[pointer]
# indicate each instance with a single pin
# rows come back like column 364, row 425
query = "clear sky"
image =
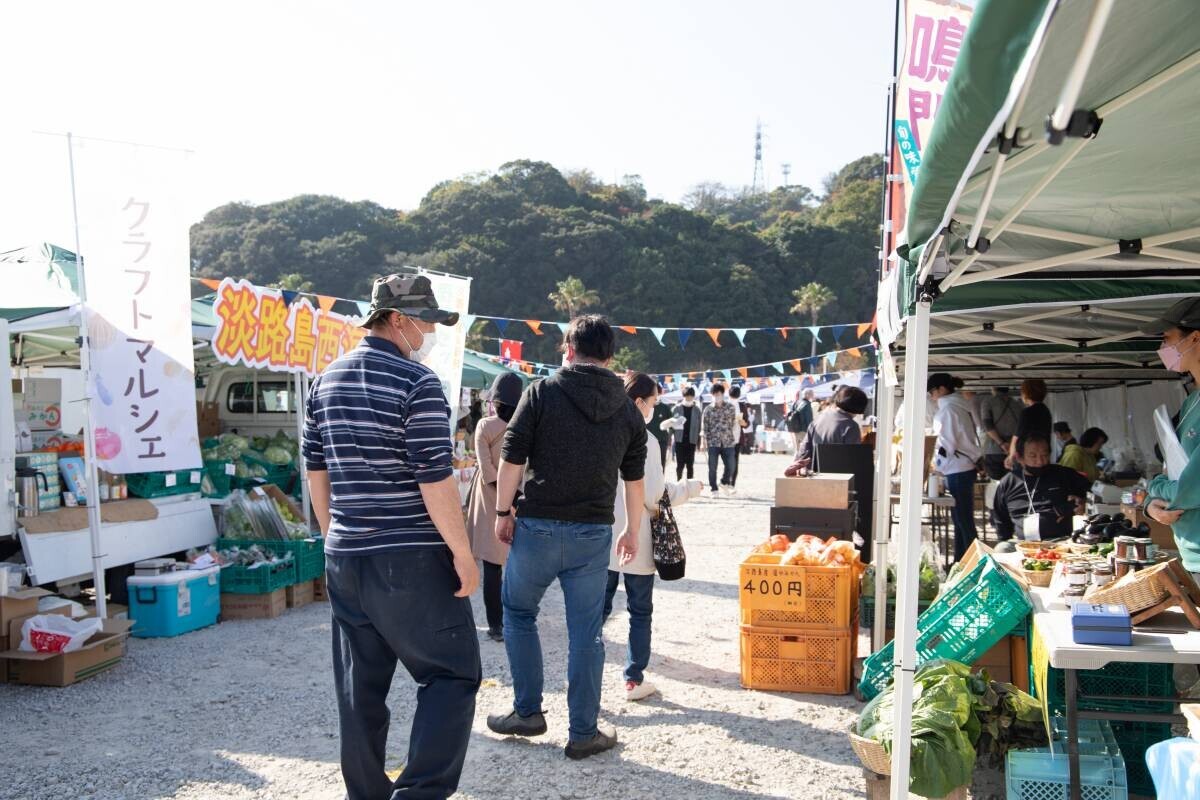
column 381, row 100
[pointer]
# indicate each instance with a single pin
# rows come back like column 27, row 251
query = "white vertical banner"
column 134, row 242
column 453, row 293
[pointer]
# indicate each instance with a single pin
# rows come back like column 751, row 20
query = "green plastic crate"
column 308, row 554
column 154, row 484
column 966, row 621
column 1120, row 678
column 258, row 580
column 283, row 476
column 1126, row 739
column 866, row 611
column 221, row 480
column 1042, row 774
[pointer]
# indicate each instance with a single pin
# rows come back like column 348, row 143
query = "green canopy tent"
column 479, row 372
column 1056, row 211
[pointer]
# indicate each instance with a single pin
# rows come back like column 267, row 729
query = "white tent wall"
column 1124, row 413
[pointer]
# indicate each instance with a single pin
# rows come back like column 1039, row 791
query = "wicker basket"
column 1137, row 591
column 871, row 754
column 1038, row 577
column 1027, row 549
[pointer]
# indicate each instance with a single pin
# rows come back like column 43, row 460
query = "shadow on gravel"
column 830, row 746
column 728, row 591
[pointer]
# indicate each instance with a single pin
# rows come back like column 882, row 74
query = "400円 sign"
column 276, row 330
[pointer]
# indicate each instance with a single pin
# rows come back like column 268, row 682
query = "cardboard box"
column 208, row 419
column 1162, row 535
column 320, row 594
column 99, row 654
column 299, row 594
column 21, row 603
column 825, row 490
column 114, row 611
column 253, row 606
column 277, row 494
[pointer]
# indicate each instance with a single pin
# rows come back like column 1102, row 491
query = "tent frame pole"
column 885, row 399
column 89, row 415
column 909, row 546
column 1073, row 85
column 1003, row 325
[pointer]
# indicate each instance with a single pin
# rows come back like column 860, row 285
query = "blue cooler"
column 1101, row 623
column 174, row 602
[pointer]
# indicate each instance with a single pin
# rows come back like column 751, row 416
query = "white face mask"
column 647, row 413
column 428, row 340
column 689, row 402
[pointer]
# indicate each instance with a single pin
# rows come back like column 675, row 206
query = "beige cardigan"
column 678, row 493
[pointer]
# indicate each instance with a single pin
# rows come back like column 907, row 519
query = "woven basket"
column 871, row 754
column 1029, row 548
column 1038, row 577
column 1137, row 591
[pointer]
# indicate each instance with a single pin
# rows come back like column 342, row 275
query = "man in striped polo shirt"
column 398, row 563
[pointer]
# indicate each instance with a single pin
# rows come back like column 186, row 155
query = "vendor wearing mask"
column 1177, row 502
column 1039, row 501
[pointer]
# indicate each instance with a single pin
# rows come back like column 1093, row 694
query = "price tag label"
column 195, row 476
column 230, row 469
column 171, row 479
column 258, row 490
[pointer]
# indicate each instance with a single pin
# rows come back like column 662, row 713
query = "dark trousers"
column 737, row 463
column 400, row 607
column 639, row 600
column 726, row 454
column 685, row 456
column 493, row 576
column 961, row 486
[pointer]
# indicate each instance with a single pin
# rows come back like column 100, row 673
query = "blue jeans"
column 726, row 454
column 576, row 553
column 961, row 486
column 639, row 599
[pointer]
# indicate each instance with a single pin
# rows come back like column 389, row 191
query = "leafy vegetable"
column 956, row 716
column 277, row 455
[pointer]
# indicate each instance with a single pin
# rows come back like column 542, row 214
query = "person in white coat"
column 639, row 573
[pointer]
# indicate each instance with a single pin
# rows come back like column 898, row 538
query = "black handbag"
column 669, row 558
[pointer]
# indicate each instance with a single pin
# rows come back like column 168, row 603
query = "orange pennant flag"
column 797, row 365
column 863, row 327
column 535, row 326
column 743, row 371
column 854, row 352
column 325, row 302
column 783, row 332
column 211, row 283
column 713, row 334
column 630, row 329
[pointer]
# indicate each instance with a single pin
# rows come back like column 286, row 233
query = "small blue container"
column 1101, row 623
column 174, row 602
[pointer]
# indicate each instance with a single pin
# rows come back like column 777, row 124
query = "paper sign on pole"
column 134, row 238
column 453, row 293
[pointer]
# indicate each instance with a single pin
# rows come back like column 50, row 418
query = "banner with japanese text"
column 276, row 330
column 929, row 44
column 135, row 255
column 453, row 293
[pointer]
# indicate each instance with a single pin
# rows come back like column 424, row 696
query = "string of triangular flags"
column 683, row 335
column 861, row 330
column 799, row 366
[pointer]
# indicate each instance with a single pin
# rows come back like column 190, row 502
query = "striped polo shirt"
column 379, row 424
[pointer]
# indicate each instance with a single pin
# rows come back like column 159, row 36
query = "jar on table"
column 1102, row 575
column 1145, row 548
column 1123, row 547
column 1077, row 575
column 1124, row 566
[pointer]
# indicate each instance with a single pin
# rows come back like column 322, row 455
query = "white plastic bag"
column 54, row 633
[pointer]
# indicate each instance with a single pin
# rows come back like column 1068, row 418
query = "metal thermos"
column 28, row 496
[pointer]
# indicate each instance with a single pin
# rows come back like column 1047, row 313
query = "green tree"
column 629, row 358
column 572, row 296
column 294, row 281
column 810, row 299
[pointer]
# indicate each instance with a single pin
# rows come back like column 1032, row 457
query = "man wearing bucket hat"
column 399, row 567
column 1176, row 501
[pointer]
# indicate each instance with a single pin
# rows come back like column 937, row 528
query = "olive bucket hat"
column 1184, row 314
column 411, row 295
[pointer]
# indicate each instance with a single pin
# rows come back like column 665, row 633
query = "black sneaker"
column 513, row 724
column 605, row 739
column 495, row 634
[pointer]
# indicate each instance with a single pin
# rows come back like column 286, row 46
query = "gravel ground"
column 246, row 709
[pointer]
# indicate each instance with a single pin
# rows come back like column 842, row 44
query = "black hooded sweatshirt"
column 576, row 430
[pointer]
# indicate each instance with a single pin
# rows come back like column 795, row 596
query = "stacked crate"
column 799, row 625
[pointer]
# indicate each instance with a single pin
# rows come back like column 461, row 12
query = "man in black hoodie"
column 576, row 430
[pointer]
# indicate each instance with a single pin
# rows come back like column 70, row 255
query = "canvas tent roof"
column 1090, row 222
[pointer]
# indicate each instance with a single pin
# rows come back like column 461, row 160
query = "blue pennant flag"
column 815, row 330
column 813, row 363
column 467, row 320
column 678, row 379
column 759, row 372
column 501, row 324
column 684, row 335
column 289, row 295
column 838, row 330
column 728, row 373
column 364, row 307
column 562, row 326
column 658, row 334
column 778, row 365
column 740, row 333
column 831, row 357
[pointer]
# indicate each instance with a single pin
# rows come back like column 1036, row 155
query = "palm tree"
column 572, row 297
column 810, row 299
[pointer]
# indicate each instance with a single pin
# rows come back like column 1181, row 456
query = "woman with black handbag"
column 662, row 550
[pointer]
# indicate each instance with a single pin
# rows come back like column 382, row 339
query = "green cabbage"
column 277, row 456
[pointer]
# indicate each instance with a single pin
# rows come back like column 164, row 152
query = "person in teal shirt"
column 1177, row 502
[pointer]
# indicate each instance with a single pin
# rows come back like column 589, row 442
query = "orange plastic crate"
column 776, row 596
column 790, row 660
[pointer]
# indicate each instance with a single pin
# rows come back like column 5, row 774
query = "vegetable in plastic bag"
column 277, row 455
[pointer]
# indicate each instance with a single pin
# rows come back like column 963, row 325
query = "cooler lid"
column 171, row 578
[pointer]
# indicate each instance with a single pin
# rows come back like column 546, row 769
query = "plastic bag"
column 54, row 633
